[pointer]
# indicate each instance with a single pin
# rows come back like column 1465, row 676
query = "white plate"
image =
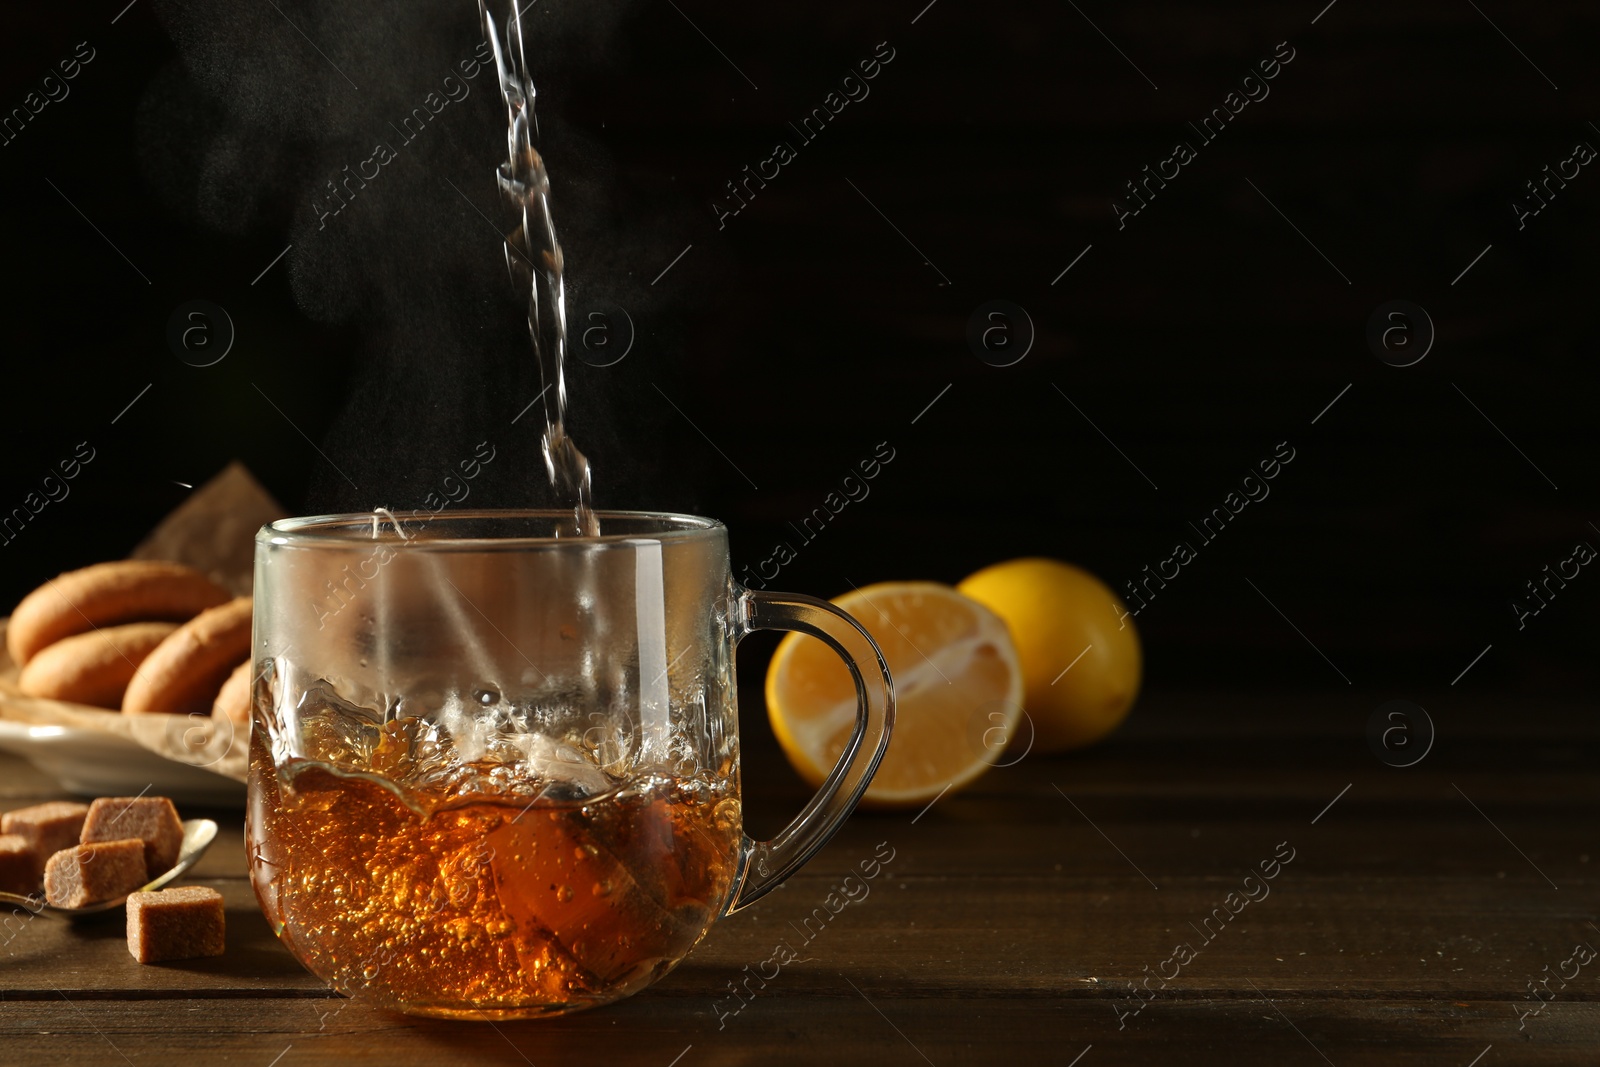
column 97, row 764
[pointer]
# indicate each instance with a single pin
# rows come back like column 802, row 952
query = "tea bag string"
column 465, row 633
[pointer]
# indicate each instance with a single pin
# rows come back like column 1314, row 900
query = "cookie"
column 108, row 594
column 233, row 703
column 93, row 668
column 186, row 671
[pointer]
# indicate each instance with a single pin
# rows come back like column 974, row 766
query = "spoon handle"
column 34, row 904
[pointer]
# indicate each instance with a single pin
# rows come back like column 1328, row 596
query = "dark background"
column 810, row 329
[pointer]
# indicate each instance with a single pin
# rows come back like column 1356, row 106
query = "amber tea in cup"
column 494, row 771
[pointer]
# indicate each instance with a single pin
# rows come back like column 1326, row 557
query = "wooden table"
column 1418, row 905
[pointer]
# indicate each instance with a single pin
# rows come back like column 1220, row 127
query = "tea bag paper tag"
column 650, row 616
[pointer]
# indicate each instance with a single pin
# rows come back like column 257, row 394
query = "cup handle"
column 765, row 864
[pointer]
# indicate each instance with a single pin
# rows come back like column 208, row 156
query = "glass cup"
column 494, row 773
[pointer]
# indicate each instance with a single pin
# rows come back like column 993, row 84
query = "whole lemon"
column 1076, row 642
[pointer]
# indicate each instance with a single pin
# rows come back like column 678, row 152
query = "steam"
column 365, row 135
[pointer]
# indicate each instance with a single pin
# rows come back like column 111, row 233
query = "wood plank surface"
column 1011, row 919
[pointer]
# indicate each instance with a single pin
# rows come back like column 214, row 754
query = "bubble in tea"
column 524, row 883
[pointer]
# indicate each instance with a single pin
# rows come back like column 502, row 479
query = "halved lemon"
column 958, row 692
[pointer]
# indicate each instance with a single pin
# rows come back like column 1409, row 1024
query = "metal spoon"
column 197, row 837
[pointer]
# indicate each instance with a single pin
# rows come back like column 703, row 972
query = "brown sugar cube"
column 152, row 820
column 176, row 924
column 89, row 874
column 48, row 828
column 19, row 866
